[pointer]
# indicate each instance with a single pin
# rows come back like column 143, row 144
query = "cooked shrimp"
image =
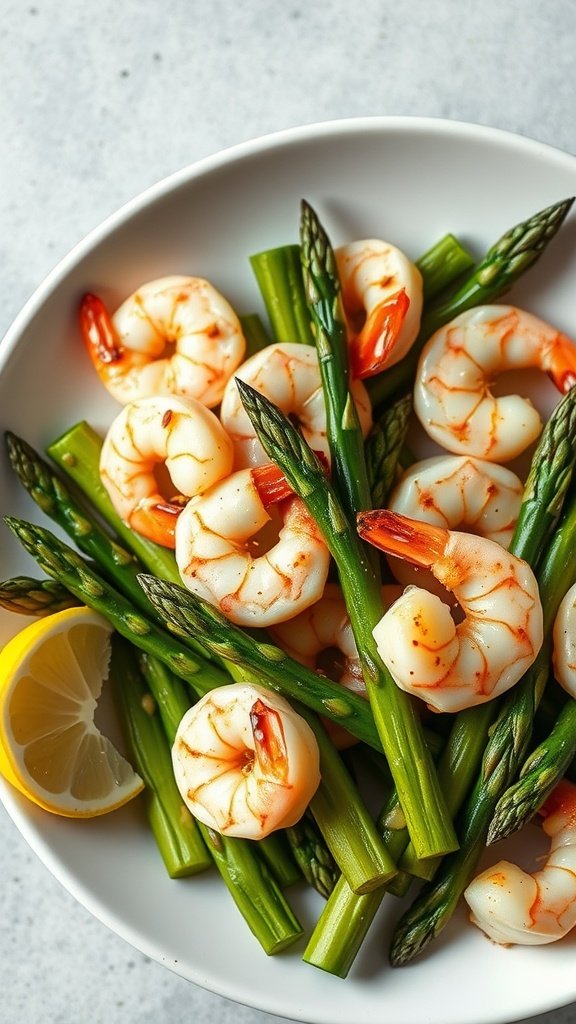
column 382, row 297
column 457, row 492
column 216, row 537
column 564, row 653
column 181, row 434
column 512, row 906
column 456, row 666
column 288, row 374
column 452, row 396
column 245, row 763
column 174, row 336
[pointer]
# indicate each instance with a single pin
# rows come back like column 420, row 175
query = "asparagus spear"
column 504, row 752
column 28, row 596
column 311, row 853
column 505, row 261
column 177, row 836
column 323, row 295
column 394, row 712
column 72, row 571
column 255, row 334
column 442, row 265
column 540, row 774
column 383, row 448
column 279, row 278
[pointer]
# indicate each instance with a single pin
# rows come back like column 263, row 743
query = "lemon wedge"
column 51, row 676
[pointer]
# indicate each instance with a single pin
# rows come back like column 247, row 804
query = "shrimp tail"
column 410, row 539
column 272, row 485
column 156, row 521
column 370, row 349
column 99, row 335
column 269, row 741
column 562, row 364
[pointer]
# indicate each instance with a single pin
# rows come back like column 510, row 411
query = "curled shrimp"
column 224, row 555
column 564, row 651
column 514, row 907
column 382, row 297
column 452, row 396
column 454, row 666
column 289, row 375
column 456, row 492
column 180, row 434
column 175, row 335
column 245, row 763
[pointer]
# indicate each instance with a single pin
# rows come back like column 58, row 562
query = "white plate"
column 407, row 180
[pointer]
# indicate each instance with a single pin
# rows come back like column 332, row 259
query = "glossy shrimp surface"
column 245, row 763
column 382, row 296
column 174, row 335
column 452, row 396
column 564, row 632
column 180, row 434
column 224, row 557
column 453, row 666
column 288, row 374
column 512, row 906
column 457, row 492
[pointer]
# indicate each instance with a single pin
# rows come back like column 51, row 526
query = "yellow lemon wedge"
column 51, row 676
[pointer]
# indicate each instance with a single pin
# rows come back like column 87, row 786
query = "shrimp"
column 456, row 491
column 564, row 652
column 289, row 375
column 184, row 436
column 245, row 763
column 175, row 335
column 452, row 397
column 512, row 906
column 217, row 534
column 456, row 666
column 382, row 298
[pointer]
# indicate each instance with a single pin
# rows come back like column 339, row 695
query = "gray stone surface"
column 98, row 101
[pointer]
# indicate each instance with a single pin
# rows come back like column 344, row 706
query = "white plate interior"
column 406, row 180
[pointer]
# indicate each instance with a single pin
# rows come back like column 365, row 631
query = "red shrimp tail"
column 410, row 539
column 269, row 741
column 562, row 798
column 157, row 522
column 99, row 335
column 562, row 364
column 272, row 485
column 371, row 348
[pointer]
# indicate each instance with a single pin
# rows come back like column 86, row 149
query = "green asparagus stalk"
column 442, row 265
column 255, row 334
column 503, row 756
column 505, row 261
column 313, row 856
column 189, row 615
column 539, row 775
column 383, row 448
column 278, row 854
column 177, row 836
column 55, row 499
column 66, row 566
column 279, row 276
column 394, row 712
column 28, row 596
column 323, row 295
column 246, row 875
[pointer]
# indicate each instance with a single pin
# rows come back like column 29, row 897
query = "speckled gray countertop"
column 99, row 101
